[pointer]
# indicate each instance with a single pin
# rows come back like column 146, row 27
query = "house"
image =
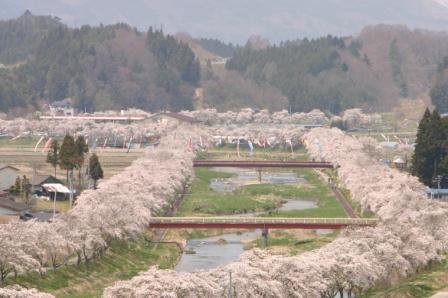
column 8, row 176
column 52, row 189
column 168, row 116
column 399, row 163
column 437, row 193
column 62, row 108
column 38, row 181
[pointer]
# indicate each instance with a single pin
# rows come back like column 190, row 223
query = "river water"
column 211, row 252
column 5, row 211
column 245, row 177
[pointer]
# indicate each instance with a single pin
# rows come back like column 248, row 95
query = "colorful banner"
column 238, row 147
column 130, row 143
column 47, row 144
column 38, row 142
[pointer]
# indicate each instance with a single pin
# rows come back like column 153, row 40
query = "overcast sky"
column 237, row 20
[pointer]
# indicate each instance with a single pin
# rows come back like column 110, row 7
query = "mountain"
column 235, row 21
column 105, row 67
column 116, row 66
column 372, row 70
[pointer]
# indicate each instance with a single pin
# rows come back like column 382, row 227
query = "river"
column 211, row 252
column 6, row 211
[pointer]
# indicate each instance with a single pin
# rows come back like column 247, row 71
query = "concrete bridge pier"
column 264, row 234
column 259, row 170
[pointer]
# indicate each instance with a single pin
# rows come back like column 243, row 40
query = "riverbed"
column 6, row 211
column 212, row 252
column 247, row 177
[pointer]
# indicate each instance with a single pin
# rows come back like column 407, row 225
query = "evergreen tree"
column 95, row 170
column 17, row 187
column 436, row 137
column 81, row 149
column 439, row 95
column 26, row 190
column 67, row 154
column 420, row 159
column 53, row 155
column 429, row 159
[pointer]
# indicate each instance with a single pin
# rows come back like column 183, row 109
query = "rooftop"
column 7, row 166
column 177, row 116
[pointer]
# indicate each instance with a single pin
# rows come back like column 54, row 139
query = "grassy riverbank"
column 228, row 151
column 123, row 260
column 423, row 284
column 203, row 201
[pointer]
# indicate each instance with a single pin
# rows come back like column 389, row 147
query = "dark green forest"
column 118, row 67
column 217, row 47
column 20, row 37
column 430, row 159
column 311, row 73
column 439, row 92
column 105, row 67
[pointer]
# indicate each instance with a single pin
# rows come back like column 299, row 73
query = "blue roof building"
column 437, row 193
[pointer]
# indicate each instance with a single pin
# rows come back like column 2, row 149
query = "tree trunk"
column 79, row 178
column 55, row 167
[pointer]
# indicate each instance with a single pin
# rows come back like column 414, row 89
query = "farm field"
column 20, row 154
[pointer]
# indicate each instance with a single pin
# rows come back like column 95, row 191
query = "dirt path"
column 339, row 196
column 347, row 208
column 160, row 233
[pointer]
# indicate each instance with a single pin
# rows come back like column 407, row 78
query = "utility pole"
column 70, row 183
column 229, row 294
column 438, row 179
column 54, row 203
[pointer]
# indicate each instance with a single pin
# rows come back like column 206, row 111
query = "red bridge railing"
column 263, row 164
column 258, row 223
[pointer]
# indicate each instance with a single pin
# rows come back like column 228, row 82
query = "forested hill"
column 371, row 71
column 20, row 37
column 110, row 67
column 116, row 67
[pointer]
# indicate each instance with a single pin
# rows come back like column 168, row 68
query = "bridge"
column 263, row 223
column 258, row 223
column 263, row 164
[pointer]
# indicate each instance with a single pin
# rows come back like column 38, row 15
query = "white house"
column 8, row 176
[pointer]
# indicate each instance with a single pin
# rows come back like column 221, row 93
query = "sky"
column 236, row 20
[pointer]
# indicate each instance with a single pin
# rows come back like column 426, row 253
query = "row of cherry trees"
column 411, row 234
column 119, row 209
column 51, row 128
column 352, row 117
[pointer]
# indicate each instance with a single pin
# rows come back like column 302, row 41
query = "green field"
column 228, row 151
column 203, row 201
column 423, row 284
column 123, row 260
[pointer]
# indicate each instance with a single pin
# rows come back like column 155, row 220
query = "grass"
column 61, row 206
column 123, row 260
column 228, row 151
column 290, row 242
column 318, row 190
column 20, row 142
column 356, row 206
column 203, row 201
column 423, row 284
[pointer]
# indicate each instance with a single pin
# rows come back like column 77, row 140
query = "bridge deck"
column 263, row 163
column 258, row 222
